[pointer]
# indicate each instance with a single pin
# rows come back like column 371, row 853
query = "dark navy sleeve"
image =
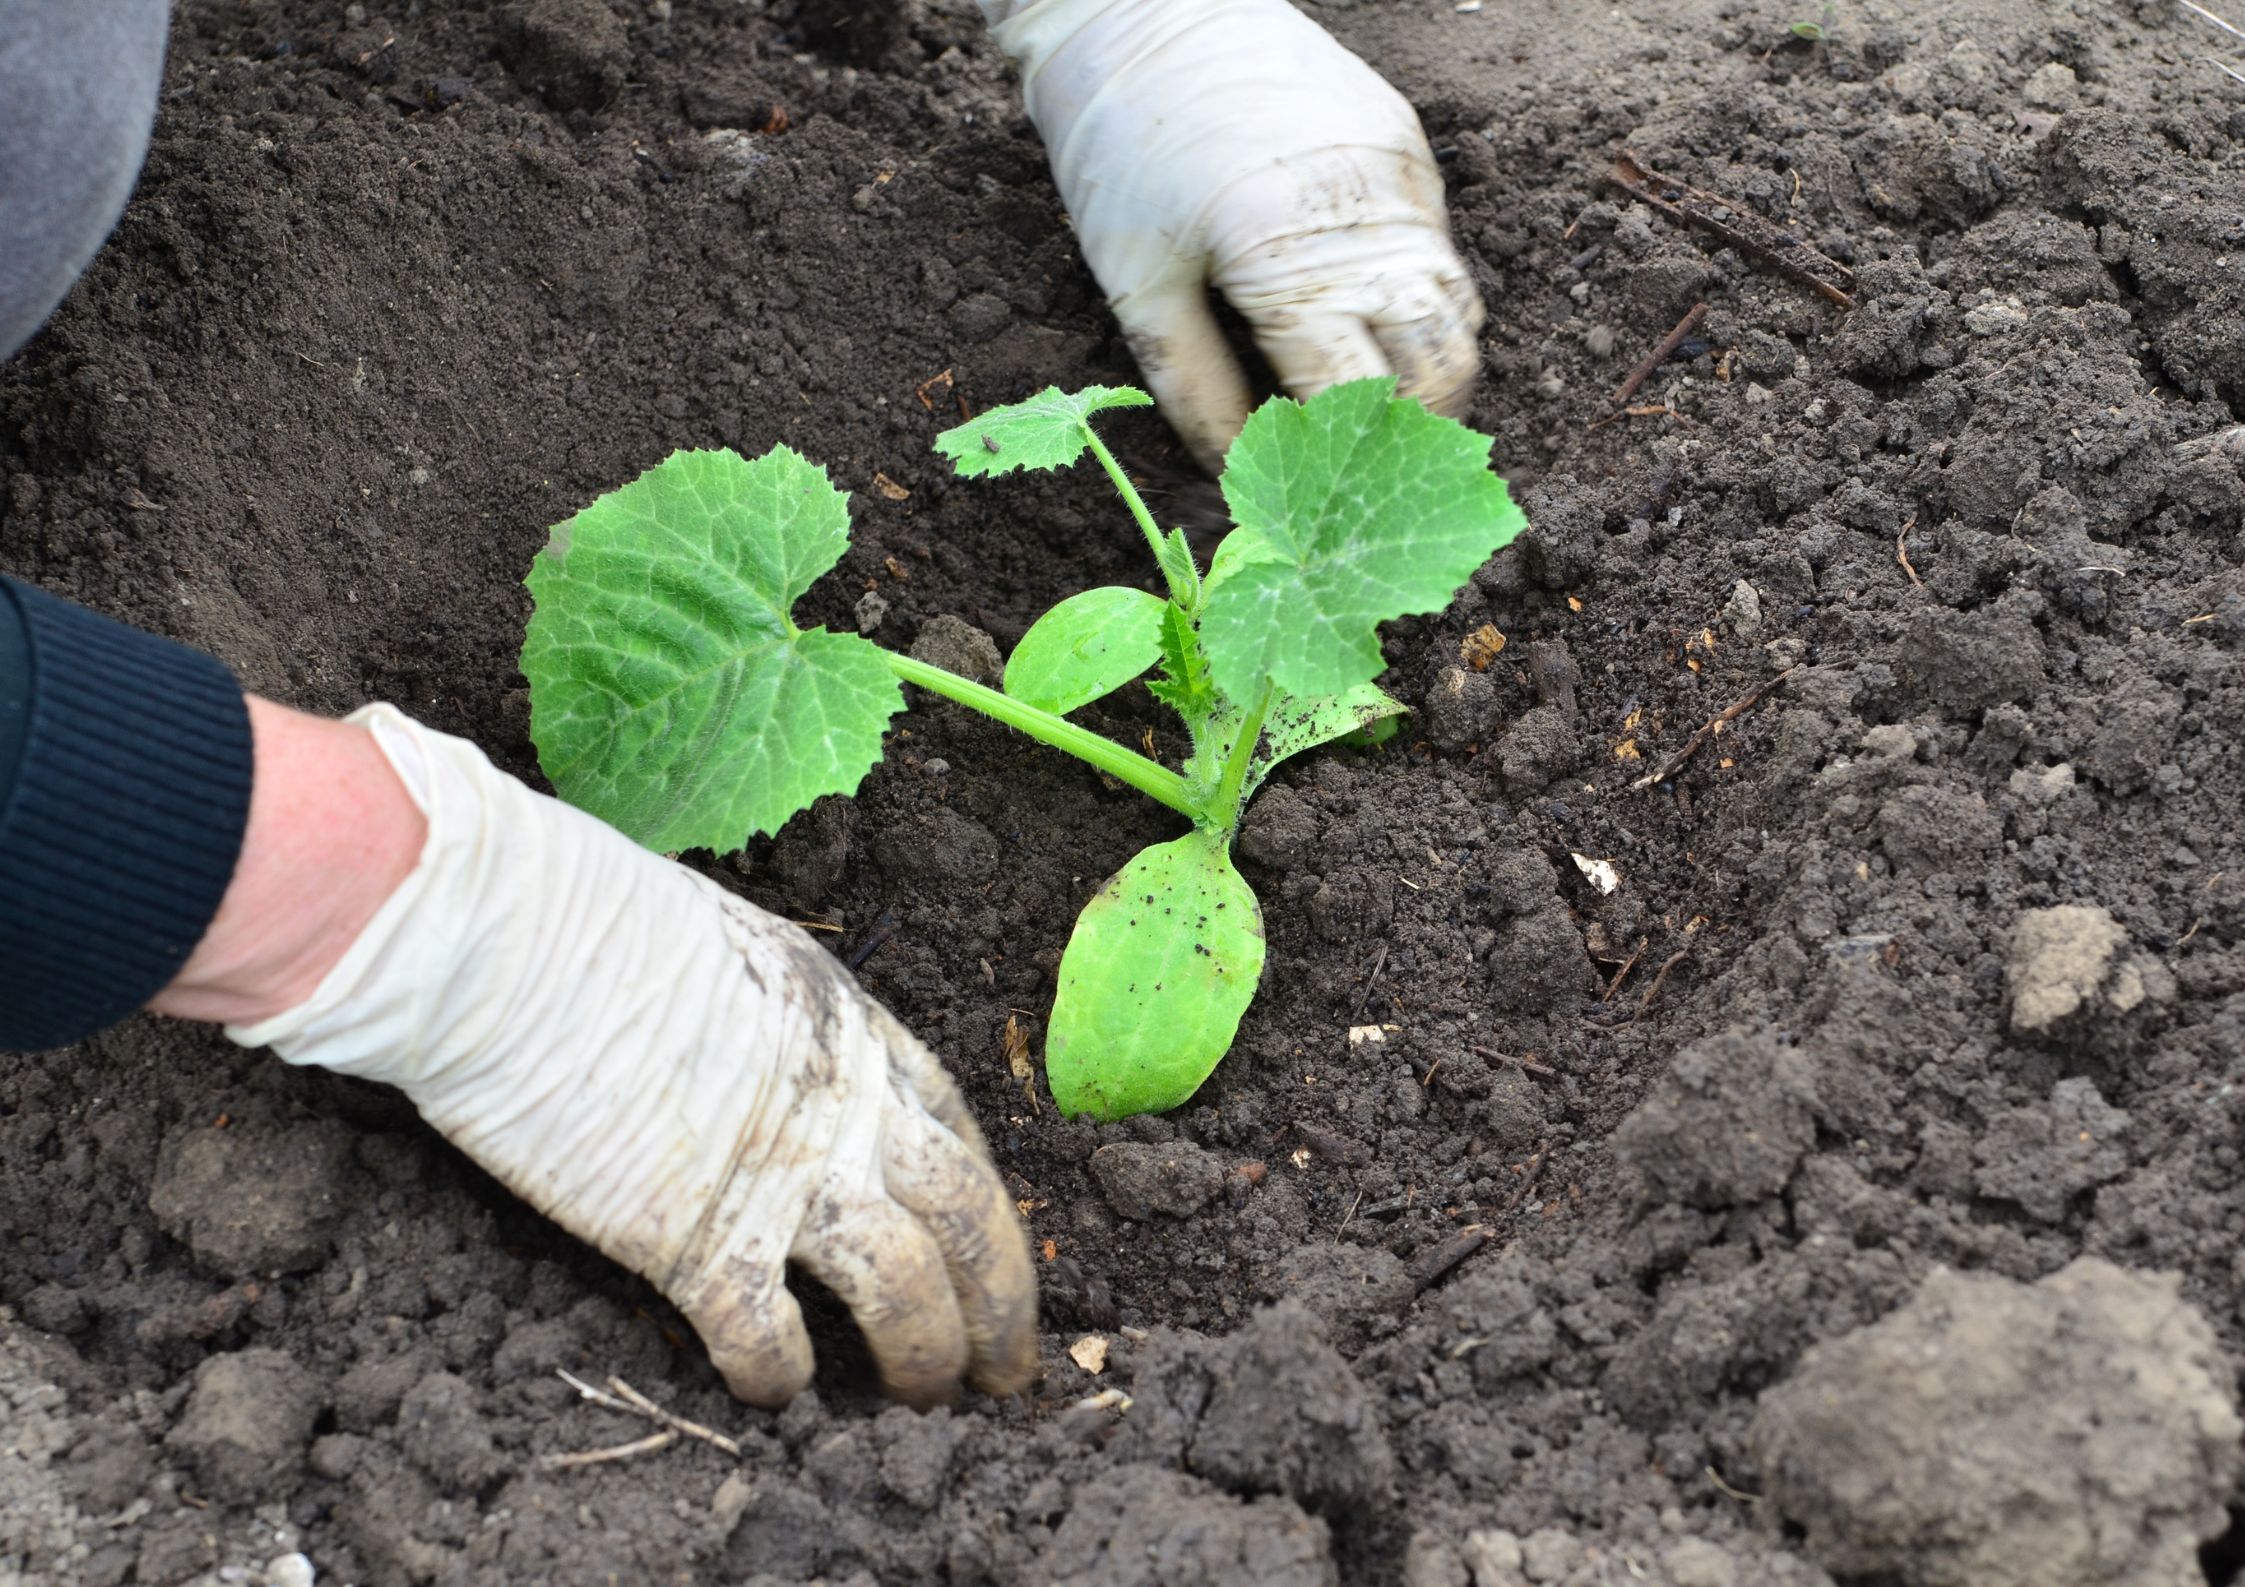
column 125, row 765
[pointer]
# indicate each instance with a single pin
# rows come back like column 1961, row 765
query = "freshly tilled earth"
column 1914, row 1030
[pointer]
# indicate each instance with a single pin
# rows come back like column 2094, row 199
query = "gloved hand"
column 1235, row 144
column 686, row 1082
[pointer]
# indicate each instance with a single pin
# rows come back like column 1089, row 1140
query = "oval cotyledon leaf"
column 1163, row 963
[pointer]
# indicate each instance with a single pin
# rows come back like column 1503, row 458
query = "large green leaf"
column 671, row 693
column 1162, row 965
column 1359, row 507
column 1048, row 430
column 1089, row 645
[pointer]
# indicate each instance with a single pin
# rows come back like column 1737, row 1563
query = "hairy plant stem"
column 1186, row 598
column 1150, row 778
column 1223, row 810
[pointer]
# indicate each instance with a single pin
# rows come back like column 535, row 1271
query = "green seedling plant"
column 673, row 694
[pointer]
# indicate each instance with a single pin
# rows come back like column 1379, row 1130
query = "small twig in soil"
column 1519, row 1197
column 1706, row 735
column 1435, row 1263
column 1527, row 1066
column 1363, row 998
column 1622, row 974
column 1646, row 410
column 601, row 1457
column 2225, row 69
column 2229, row 443
column 621, row 1396
column 1741, row 228
column 883, row 930
column 2203, row 14
column 671, row 1419
column 1729, row 1492
column 1902, row 553
column 1659, row 979
column 1663, row 350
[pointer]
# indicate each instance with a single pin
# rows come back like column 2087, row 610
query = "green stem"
column 1185, row 598
column 1148, row 777
column 1223, row 810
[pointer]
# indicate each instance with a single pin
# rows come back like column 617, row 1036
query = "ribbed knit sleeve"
column 120, row 819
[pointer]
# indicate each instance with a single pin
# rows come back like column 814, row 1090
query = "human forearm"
column 331, row 833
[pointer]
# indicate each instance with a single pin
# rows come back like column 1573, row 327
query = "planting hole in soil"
column 1745, row 1084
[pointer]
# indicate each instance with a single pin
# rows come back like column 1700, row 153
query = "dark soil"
column 404, row 286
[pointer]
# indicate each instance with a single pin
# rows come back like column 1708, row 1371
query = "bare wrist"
column 331, row 834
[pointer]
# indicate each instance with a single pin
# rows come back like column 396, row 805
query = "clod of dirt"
column 956, row 645
column 1725, row 1126
column 254, row 1199
column 1935, row 830
column 1969, row 661
column 1143, row 1181
column 1273, row 1408
column 1357, row 1290
column 1461, row 709
column 1930, row 1447
column 943, row 845
column 2066, row 961
column 573, row 54
column 1144, row 1527
column 247, row 1423
column 1540, row 746
column 2041, row 1157
column 1280, row 830
column 445, row 1434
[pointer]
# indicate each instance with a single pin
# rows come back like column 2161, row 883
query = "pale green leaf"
column 1089, row 645
column 670, row 692
column 1162, row 965
column 1240, row 548
column 1048, row 430
column 1369, row 508
column 1295, row 725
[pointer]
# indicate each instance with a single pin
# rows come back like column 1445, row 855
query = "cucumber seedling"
column 673, row 695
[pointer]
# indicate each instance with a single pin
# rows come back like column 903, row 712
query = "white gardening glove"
column 1234, row 144
column 686, row 1082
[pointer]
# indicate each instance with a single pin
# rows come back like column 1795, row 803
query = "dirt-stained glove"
column 1235, row 144
column 688, row 1083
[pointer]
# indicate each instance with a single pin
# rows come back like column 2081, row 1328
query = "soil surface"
column 1619, row 1258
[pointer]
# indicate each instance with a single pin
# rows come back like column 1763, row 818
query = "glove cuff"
column 367, row 1014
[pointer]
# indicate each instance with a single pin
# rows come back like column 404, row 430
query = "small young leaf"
column 1178, row 569
column 671, row 694
column 1048, row 430
column 1089, row 645
column 1295, row 725
column 1162, row 965
column 1184, row 685
column 1369, row 508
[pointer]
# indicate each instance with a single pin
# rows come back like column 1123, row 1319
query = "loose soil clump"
column 1530, row 1222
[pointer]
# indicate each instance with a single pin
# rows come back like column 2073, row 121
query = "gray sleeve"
column 78, row 87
